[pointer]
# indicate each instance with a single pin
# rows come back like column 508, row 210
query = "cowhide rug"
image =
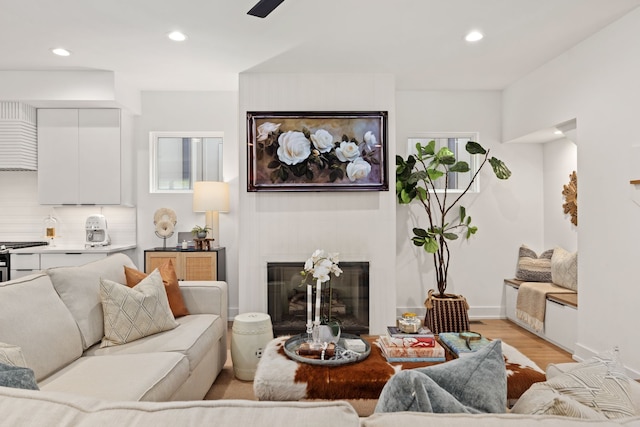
column 280, row 378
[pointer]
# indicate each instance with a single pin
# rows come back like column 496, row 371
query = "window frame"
column 425, row 137
column 154, row 136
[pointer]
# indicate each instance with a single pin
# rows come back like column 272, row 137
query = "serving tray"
column 342, row 357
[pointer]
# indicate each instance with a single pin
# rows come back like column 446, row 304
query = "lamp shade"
column 210, row 196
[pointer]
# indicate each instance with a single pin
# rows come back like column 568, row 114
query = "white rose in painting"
column 322, row 140
column 294, row 147
column 358, row 169
column 347, row 152
column 265, row 129
column 370, row 141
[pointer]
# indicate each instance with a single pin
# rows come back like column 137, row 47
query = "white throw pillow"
column 12, row 355
column 564, row 269
column 134, row 313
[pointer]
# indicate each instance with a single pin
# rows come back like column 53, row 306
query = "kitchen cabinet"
column 79, row 156
column 189, row 265
column 23, row 264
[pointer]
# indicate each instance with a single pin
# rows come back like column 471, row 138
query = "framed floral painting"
column 317, row 151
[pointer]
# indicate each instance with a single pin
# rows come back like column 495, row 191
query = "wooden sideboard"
column 189, row 264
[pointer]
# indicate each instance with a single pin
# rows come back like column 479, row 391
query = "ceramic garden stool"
column 249, row 335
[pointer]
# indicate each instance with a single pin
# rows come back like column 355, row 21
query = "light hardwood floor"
column 535, row 348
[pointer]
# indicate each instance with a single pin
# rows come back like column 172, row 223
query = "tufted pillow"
column 472, row 384
column 17, row 377
column 170, row 280
column 12, row 355
column 564, row 269
column 596, row 385
column 134, row 313
column 533, row 268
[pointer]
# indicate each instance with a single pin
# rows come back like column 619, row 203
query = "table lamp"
column 211, row 197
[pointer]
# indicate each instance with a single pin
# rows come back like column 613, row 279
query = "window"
column 178, row 159
column 456, row 143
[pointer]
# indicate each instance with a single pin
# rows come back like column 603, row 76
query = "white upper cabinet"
column 79, row 156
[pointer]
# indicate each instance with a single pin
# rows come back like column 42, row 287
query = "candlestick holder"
column 315, row 334
column 309, row 332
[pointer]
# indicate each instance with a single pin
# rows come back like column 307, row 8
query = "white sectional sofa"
column 56, row 319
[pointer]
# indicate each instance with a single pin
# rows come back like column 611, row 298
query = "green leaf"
column 450, row 236
column 475, row 148
column 434, row 174
column 405, row 197
column 445, row 156
column 417, row 176
column 426, row 150
column 420, row 232
column 471, row 230
column 273, row 164
column 499, row 168
column 460, row 167
column 418, row 241
column 422, row 193
column 306, row 132
column 463, row 213
column 431, row 246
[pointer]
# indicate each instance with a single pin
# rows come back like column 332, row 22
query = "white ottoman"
column 249, row 335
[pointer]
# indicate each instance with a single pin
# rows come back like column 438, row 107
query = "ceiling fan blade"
column 264, row 7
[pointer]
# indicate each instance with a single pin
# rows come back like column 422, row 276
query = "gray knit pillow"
column 533, row 268
column 17, row 377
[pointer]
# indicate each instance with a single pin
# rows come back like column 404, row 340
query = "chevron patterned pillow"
column 134, row 313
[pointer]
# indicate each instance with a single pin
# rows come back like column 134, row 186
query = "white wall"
column 189, row 111
column 596, row 82
column 507, row 213
column 290, row 226
column 560, row 159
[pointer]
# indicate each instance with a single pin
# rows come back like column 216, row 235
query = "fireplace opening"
column 287, row 297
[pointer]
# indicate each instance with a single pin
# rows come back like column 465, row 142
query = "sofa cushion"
column 134, row 313
column 33, row 317
column 20, row 407
column 12, row 355
column 133, row 377
column 17, row 377
column 564, row 269
column 170, row 280
column 472, row 384
column 534, row 268
column 195, row 336
column 79, row 289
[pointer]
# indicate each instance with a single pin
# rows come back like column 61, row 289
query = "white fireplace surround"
column 380, row 311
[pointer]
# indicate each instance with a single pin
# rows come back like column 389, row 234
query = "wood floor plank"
column 535, row 348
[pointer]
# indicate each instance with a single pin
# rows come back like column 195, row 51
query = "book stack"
column 405, row 347
column 464, row 343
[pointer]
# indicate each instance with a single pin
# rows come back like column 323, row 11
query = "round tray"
column 292, row 344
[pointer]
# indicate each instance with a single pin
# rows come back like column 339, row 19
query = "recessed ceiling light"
column 474, row 36
column 557, row 132
column 177, row 36
column 61, row 51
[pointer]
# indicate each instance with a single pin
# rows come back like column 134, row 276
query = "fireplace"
column 287, row 297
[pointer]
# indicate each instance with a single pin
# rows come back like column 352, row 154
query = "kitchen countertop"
column 71, row 248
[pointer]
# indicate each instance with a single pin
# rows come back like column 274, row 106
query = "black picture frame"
column 317, row 151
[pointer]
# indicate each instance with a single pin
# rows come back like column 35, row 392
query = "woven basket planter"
column 449, row 313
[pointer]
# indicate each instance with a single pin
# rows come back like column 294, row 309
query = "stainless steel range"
column 5, row 257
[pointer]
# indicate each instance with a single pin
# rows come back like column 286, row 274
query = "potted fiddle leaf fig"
column 417, row 179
